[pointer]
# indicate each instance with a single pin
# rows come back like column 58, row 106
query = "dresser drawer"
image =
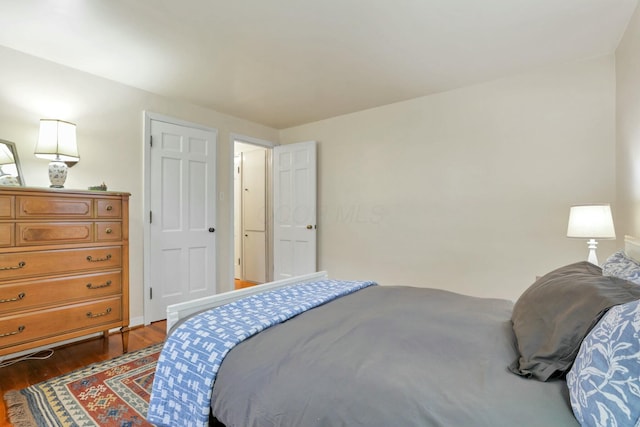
column 108, row 231
column 7, row 236
column 26, row 327
column 54, row 207
column 38, row 263
column 40, row 292
column 6, row 207
column 54, row 233
column 108, row 208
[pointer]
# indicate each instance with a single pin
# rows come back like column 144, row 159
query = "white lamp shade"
column 591, row 222
column 57, row 141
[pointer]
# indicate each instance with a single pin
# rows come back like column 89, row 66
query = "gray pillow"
column 552, row 317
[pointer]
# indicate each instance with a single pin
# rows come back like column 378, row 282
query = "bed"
column 404, row 356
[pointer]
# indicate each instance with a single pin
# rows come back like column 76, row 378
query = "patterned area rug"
column 110, row 393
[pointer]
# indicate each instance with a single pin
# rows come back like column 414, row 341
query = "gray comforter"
column 387, row 356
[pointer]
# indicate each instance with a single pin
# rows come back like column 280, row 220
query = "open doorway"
column 252, row 213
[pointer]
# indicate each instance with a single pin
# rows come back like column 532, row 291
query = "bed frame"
column 176, row 312
column 632, row 247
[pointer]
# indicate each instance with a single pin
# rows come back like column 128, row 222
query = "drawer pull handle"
column 109, row 208
column 90, row 315
column 108, row 231
column 107, row 258
column 8, row 334
column 104, row 285
column 17, row 267
column 18, row 298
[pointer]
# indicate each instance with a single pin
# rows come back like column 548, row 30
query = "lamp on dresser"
column 591, row 222
column 57, row 142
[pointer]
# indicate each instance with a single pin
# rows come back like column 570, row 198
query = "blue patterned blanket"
column 193, row 353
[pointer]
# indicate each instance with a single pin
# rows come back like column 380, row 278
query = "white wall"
column 628, row 126
column 467, row 190
column 109, row 126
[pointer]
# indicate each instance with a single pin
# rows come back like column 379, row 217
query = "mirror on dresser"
column 10, row 172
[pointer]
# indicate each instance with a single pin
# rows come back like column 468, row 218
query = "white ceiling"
column 289, row 62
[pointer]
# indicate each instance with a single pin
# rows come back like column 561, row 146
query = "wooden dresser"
column 64, row 266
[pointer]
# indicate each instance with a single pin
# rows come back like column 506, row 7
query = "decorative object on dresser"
column 101, row 187
column 57, row 142
column 591, row 222
column 64, row 266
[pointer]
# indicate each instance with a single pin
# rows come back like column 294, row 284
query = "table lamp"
column 591, row 222
column 57, row 142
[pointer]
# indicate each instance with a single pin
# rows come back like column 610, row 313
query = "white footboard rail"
column 176, row 312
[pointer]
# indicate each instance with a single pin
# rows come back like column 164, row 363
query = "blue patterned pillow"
column 620, row 265
column 604, row 382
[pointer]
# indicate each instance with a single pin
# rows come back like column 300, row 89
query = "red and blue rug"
column 110, row 393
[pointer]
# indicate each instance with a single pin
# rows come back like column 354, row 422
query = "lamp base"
column 593, row 245
column 57, row 173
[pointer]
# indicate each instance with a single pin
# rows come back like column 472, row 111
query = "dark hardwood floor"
column 74, row 356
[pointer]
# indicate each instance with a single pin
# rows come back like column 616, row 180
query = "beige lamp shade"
column 57, row 141
column 591, row 222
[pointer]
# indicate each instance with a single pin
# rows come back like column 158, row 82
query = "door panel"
column 254, row 185
column 254, row 170
column 198, row 259
column 183, row 202
column 237, row 217
column 255, row 269
column 294, row 209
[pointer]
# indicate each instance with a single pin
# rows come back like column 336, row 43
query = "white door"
column 254, row 215
column 182, row 215
column 237, row 214
column 294, row 196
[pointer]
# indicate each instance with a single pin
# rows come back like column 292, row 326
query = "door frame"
column 233, row 137
column 147, row 117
